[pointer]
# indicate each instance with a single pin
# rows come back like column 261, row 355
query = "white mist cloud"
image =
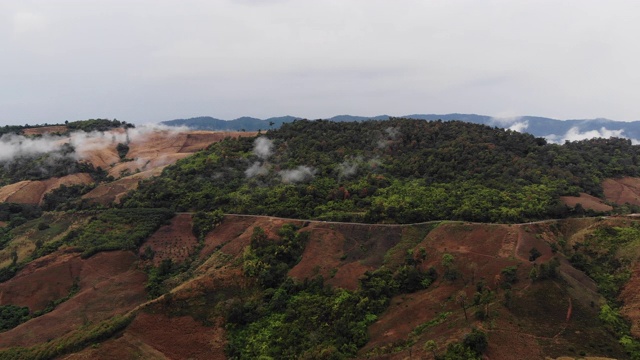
column 519, row 126
column 299, row 174
column 257, row 169
column 392, row 132
column 84, row 143
column 88, row 142
column 504, row 121
column 574, row 134
column 12, row 146
column 263, row 147
column 349, row 167
column 514, row 123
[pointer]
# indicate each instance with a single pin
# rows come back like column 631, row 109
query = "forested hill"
column 537, row 126
column 399, row 170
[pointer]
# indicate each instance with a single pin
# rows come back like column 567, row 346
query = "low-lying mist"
column 83, row 143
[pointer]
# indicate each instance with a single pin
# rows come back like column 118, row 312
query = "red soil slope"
column 231, row 237
column 44, row 130
column 342, row 253
column 543, row 318
column 631, row 297
column 174, row 241
column 151, row 152
column 157, row 336
column 587, row 201
column 621, row 191
column 109, row 284
column 107, row 193
column 159, row 148
column 32, row 192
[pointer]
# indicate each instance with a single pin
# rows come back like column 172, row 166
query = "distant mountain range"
column 537, row 126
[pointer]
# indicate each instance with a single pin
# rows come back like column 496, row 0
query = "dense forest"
column 399, row 170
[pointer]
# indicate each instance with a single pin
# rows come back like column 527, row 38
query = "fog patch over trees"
column 299, row 174
column 82, row 143
column 263, row 148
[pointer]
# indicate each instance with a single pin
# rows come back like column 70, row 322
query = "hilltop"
column 385, row 239
column 400, row 170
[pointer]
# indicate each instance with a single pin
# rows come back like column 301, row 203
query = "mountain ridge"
column 535, row 125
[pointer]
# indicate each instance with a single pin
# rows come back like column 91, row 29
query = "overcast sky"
column 154, row 60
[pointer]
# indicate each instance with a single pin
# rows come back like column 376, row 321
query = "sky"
column 147, row 61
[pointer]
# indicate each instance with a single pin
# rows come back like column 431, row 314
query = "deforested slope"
column 416, row 283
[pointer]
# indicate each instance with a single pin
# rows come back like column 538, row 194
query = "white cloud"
column 299, row 174
column 84, row 143
column 574, row 134
column 263, row 147
column 505, row 121
column 520, row 126
column 349, row 167
column 514, row 123
column 392, row 132
column 257, row 169
column 12, row 146
column 87, row 142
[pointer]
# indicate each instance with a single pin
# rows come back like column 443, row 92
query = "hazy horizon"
column 150, row 61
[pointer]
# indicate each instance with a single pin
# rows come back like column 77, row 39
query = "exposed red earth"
column 32, row 192
column 174, row 241
column 149, row 152
column 154, row 149
column 621, row 191
column 109, row 284
column 543, row 318
column 45, row 130
column 587, row 201
column 112, row 192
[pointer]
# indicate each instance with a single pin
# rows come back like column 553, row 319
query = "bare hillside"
column 528, row 319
